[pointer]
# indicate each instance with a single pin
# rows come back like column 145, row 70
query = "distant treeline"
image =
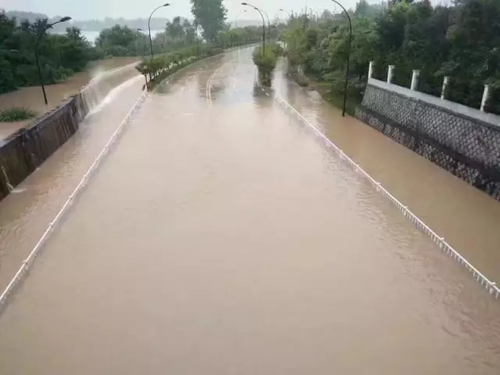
column 63, row 54
column 90, row 25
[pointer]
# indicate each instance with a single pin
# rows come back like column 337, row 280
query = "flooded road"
column 220, row 237
column 466, row 217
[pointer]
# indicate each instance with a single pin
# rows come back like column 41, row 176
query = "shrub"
column 277, row 49
column 117, row 51
column 215, row 51
column 16, row 114
column 266, row 62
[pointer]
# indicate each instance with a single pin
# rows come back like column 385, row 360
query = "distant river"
column 91, row 36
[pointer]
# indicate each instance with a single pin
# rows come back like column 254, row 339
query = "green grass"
column 337, row 98
column 16, row 114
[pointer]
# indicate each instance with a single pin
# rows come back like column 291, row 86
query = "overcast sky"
column 99, row 9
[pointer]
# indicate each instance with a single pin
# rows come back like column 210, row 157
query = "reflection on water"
column 226, row 239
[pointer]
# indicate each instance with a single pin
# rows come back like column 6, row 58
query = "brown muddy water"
column 32, row 97
column 220, row 237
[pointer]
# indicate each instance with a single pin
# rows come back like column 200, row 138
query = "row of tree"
column 179, row 33
column 60, row 55
column 460, row 41
column 157, row 23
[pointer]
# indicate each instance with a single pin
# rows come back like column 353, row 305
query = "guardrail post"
column 370, row 70
column 414, row 79
column 446, row 81
column 390, row 73
column 486, row 94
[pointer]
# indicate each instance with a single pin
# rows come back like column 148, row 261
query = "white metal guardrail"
column 490, row 286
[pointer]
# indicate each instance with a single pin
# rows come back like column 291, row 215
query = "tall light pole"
column 197, row 39
column 268, row 26
column 346, row 85
column 140, row 31
column 238, row 16
column 263, row 26
column 38, row 38
column 149, row 27
column 236, row 19
column 287, row 12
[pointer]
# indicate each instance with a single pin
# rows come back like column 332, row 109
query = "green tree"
column 474, row 57
column 60, row 55
column 265, row 62
column 117, row 41
column 74, row 50
column 175, row 29
column 210, row 15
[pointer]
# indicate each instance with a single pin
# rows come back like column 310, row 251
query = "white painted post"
column 414, row 80
column 486, row 93
column 446, row 80
column 390, row 73
column 370, row 70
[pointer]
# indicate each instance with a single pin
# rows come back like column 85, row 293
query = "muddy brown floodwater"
column 32, row 98
column 220, row 237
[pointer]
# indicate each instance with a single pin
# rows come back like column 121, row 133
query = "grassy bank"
column 334, row 97
column 16, row 114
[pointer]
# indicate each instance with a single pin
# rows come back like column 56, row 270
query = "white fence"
column 490, row 286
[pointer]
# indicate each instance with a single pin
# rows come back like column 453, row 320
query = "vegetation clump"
column 265, row 60
column 16, row 114
column 460, row 41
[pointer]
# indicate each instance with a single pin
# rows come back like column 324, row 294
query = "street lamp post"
column 236, row 19
column 37, row 58
column 238, row 16
column 197, row 39
column 149, row 27
column 263, row 26
column 287, row 12
column 140, row 31
column 346, row 85
column 268, row 26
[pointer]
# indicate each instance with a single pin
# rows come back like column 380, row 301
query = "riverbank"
column 31, row 97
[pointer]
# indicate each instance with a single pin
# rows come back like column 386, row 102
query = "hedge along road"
column 220, row 237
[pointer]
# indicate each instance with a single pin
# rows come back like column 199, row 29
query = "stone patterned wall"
column 467, row 147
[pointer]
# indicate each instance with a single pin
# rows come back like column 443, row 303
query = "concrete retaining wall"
column 27, row 149
column 24, row 151
column 462, row 140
